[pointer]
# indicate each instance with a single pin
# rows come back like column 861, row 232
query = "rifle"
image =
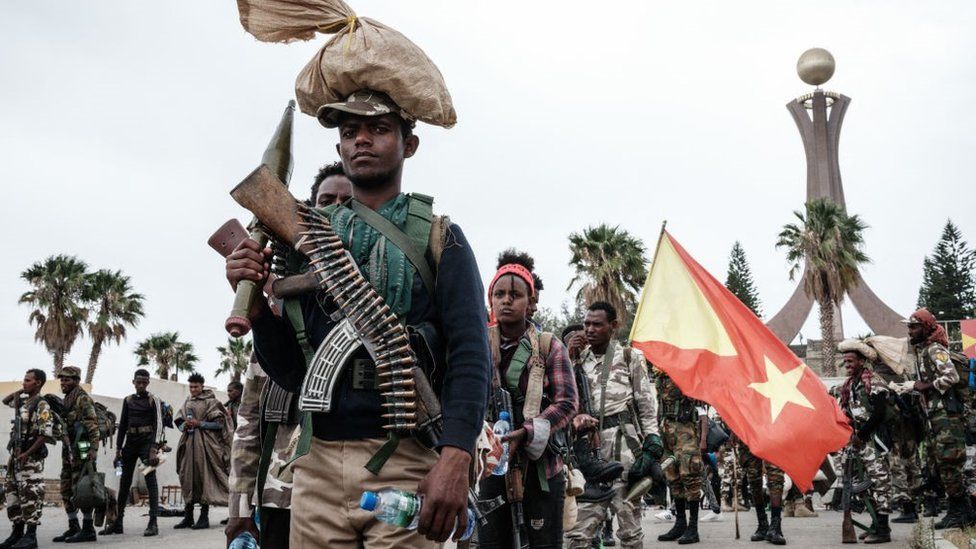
column 277, row 157
column 586, row 447
column 18, row 435
column 848, row 535
column 502, row 402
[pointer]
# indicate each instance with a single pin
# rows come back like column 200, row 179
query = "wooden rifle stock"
column 848, row 535
column 277, row 157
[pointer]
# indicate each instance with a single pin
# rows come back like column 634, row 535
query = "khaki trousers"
column 329, row 481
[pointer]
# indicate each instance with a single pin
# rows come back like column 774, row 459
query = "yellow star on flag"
column 780, row 388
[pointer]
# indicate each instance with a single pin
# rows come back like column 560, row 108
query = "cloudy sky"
column 123, row 125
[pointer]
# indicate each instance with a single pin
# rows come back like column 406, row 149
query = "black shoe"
column 114, row 527
column 763, row 527
column 908, row 514
column 957, row 516
column 882, row 532
column 151, row 529
column 28, row 540
column 691, row 532
column 775, row 533
column 73, row 528
column 680, row 523
column 86, row 534
column 187, row 521
column 931, row 507
column 203, row 522
column 15, row 535
column 596, row 492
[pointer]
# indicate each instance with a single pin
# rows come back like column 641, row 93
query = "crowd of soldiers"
column 42, row 420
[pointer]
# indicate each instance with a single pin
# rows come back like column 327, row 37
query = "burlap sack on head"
column 894, row 351
column 362, row 54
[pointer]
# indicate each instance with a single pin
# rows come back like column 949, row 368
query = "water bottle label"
column 407, row 508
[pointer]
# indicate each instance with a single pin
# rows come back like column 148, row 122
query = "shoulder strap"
column 605, row 377
column 437, row 241
column 400, row 239
column 537, row 374
column 628, row 354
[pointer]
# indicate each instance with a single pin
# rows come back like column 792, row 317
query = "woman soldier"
column 534, row 368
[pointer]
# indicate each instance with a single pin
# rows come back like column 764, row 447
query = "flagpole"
column 735, row 488
column 650, row 270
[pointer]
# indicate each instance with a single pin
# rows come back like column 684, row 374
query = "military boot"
column 597, row 469
column 957, row 514
column 908, row 514
column 86, row 534
column 73, row 528
column 596, row 492
column 882, row 532
column 151, row 529
column 187, row 517
column 931, row 507
column 114, row 527
column 203, row 522
column 15, row 535
column 775, row 533
column 28, row 540
column 691, row 531
column 680, row 523
column 760, row 534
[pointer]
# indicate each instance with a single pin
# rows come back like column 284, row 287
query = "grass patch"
column 923, row 536
column 960, row 538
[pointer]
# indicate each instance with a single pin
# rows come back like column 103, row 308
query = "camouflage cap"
column 70, row 371
column 362, row 103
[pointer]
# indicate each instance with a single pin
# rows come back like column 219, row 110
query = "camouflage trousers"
column 906, row 471
column 24, row 490
column 946, row 450
column 681, row 441
column 875, row 466
column 617, row 444
column 969, row 470
column 754, row 468
column 69, row 478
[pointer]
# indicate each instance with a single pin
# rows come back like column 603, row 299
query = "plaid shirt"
column 558, row 389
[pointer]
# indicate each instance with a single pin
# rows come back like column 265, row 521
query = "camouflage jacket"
column 865, row 388
column 245, row 454
column 673, row 404
column 80, row 419
column 36, row 420
column 628, row 388
column 935, row 366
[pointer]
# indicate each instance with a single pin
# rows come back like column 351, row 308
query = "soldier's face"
column 853, row 362
column 334, row 189
column 598, row 329
column 196, row 389
column 141, row 385
column 372, row 149
column 68, row 384
column 510, row 300
column 916, row 333
column 233, row 393
column 31, row 384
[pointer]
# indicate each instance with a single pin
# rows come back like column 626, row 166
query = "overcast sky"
column 123, row 125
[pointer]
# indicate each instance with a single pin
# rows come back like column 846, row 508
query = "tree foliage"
column 57, row 296
column 949, row 277
column 115, row 307
column 739, row 280
column 610, row 266
column 827, row 244
column 167, row 353
column 235, row 357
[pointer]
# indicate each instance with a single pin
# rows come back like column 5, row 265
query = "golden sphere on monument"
column 815, row 66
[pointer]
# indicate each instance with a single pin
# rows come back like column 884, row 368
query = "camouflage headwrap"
column 936, row 333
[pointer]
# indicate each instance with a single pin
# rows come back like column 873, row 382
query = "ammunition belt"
column 144, row 430
column 410, row 404
column 616, row 420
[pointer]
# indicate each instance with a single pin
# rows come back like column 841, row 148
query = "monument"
column 819, row 116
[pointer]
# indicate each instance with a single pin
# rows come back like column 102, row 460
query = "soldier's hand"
column 585, row 422
column 237, row 526
column 248, row 262
column 515, row 439
column 22, row 458
column 445, row 491
column 577, row 342
column 922, row 386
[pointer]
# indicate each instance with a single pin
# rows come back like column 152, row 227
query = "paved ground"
column 813, row 533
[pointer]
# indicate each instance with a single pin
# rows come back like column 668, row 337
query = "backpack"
column 59, row 428
column 107, row 422
column 966, row 368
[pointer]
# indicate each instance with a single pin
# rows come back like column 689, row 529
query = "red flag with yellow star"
column 693, row 328
column 968, row 329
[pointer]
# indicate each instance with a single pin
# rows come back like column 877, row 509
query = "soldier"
column 234, row 390
column 754, row 468
column 684, row 427
column 141, row 435
column 33, row 426
column 331, row 186
column 375, row 137
column 943, row 407
column 245, row 463
column 865, row 399
column 626, row 421
column 82, row 426
column 203, row 452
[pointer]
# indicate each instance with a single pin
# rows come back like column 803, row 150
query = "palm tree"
column 235, row 357
column 828, row 244
column 57, row 295
column 609, row 265
column 167, row 352
column 118, row 307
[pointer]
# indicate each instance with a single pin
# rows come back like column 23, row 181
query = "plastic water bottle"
column 189, row 415
column 502, row 428
column 118, row 467
column 244, row 541
column 402, row 509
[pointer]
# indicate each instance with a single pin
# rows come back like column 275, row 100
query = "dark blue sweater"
column 459, row 314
